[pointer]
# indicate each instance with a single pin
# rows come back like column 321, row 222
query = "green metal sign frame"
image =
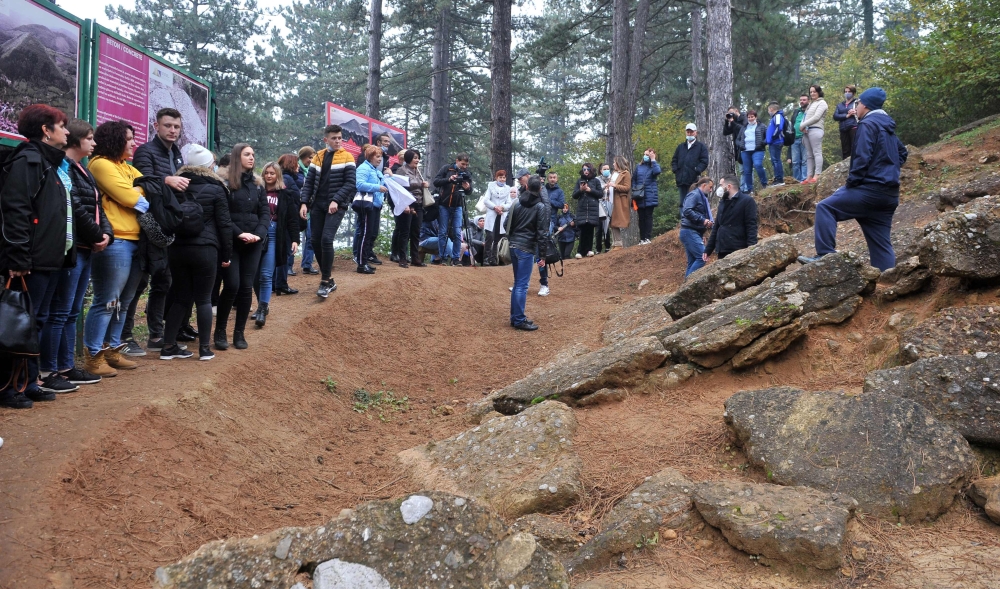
column 83, row 63
column 95, row 44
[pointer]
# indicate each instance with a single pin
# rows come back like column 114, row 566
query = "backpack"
column 193, row 218
column 787, row 131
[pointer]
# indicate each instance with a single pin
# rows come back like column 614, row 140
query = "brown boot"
column 115, row 358
column 97, row 364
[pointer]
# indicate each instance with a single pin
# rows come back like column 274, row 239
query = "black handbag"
column 18, row 330
column 552, row 255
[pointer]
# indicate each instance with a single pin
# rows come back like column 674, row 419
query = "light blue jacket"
column 369, row 179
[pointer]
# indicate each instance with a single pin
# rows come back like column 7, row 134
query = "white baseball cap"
column 691, row 127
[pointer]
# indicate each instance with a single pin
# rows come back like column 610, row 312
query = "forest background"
column 570, row 80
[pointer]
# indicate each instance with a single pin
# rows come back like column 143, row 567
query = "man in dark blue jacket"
column 871, row 194
column 696, row 218
column 557, row 198
column 689, row 161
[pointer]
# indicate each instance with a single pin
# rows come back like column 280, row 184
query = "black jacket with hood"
column 287, row 215
column 33, row 210
column 248, row 209
column 737, row 131
column 88, row 214
column 208, row 190
column 735, row 225
column 529, row 224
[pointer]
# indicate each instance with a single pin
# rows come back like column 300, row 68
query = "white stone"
column 415, row 508
column 338, row 574
column 281, row 550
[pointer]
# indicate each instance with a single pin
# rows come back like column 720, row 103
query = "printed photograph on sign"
column 170, row 89
column 356, row 128
column 39, row 61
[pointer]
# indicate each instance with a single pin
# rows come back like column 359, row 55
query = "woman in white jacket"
column 812, row 129
column 498, row 200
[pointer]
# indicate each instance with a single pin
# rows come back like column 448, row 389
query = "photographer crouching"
column 453, row 182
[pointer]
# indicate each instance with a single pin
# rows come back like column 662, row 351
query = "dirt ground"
column 102, row 486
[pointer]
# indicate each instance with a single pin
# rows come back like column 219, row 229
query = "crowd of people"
column 208, row 237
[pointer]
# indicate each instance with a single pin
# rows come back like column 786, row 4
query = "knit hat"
column 196, row 155
column 521, row 173
column 873, row 98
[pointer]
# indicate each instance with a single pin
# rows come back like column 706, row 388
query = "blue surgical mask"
column 645, row 158
column 385, row 149
column 501, row 182
column 691, row 138
column 848, row 95
column 606, row 173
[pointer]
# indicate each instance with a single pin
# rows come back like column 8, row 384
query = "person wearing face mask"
column 871, row 193
column 645, row 194
column 588, row 194
column 753, row 141
column 603, row 242
column 735, row 224
column 499, row 198
column 847, row 116
column 696, row 218
column 689, row 161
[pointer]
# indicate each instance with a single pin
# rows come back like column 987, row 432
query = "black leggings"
column 237, row 285
column 192, row 269
column 646, row 222
column 324, row 233
column 586, row 238
column 565, row 249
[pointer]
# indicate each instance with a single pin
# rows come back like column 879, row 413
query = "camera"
column 729, row 116
column 462, row 177
column 542, row 167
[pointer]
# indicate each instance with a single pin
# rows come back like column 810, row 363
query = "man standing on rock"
column 735, row 225
column 871, row 194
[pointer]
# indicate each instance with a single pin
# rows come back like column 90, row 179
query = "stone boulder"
column 832, row 178
column 957, row 195
column 986, row 494
column 733, row 274
column 962, row 391
column 771, row 344
column 554, row 535
column 965, row 242
column 430, row 539
column 623, row 364
column 792, row 524
column 516, row 465
column 908, row 277
column 662, row 500
column 953, row 331
column 889, row 453
column 636, row 318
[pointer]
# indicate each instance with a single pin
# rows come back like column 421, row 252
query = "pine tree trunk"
column 697, row 71
column 720, row 87
column 437, row 135
column 501, row 148
column 374, row 60
column 869, row 17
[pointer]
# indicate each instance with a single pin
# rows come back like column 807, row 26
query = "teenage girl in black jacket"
column 250, row 218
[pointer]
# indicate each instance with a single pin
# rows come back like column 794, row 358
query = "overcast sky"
column 94, row 9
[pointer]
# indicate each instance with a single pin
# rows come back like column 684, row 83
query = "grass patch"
column 381, row 404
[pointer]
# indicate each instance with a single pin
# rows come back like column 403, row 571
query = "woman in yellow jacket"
column 113, row 276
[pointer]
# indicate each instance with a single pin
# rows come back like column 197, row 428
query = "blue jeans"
column 58, row 336
column 450, row 224
column 753, row 160
column 115, row 283
column 267, row 265
column 872, row 210
column 799, row 160
column 691, row 240
column 307, row 248
column 779, row 169
column 522, row 262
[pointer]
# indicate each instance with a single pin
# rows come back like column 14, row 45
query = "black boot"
column 261, row 316
column 220, row 340
column 239, row 342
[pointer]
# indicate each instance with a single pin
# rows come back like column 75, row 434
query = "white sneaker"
column 510, row 288
column 543, row 292
column 578, row 257
column 590, row 254
column 215, row 311
column 1, row 442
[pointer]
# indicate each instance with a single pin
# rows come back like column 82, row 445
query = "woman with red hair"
column 36, row 234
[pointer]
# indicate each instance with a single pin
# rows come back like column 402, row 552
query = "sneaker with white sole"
column 132, row 348
column 205, row 353
column 78, row 376
column 578, row 256
column 543, row 292
column 57, row 383
column 590, row 254
column 174, row 352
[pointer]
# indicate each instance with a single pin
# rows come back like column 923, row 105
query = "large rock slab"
column 965, row 242
column 662, row 500
column 986, row 494
column 623, row 364
column 735, row 273
column 517, row 465
column 771, row 344
column 959, row 194
column 832, row 178
column 636, row 318
column 430, row 539
column 889, row 453
column 962, row 391
column 908, row 277
column 793, row 524
column 952, row 332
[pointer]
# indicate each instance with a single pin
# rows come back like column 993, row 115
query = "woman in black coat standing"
column 589, row 193
column 289, row 164
column 250, row 218
column 195, row 258
column 283, row 216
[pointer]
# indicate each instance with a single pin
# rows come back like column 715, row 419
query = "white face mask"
column 720, row 192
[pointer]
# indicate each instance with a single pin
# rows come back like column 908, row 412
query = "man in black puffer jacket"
column 158, row 157
column 735, row 225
